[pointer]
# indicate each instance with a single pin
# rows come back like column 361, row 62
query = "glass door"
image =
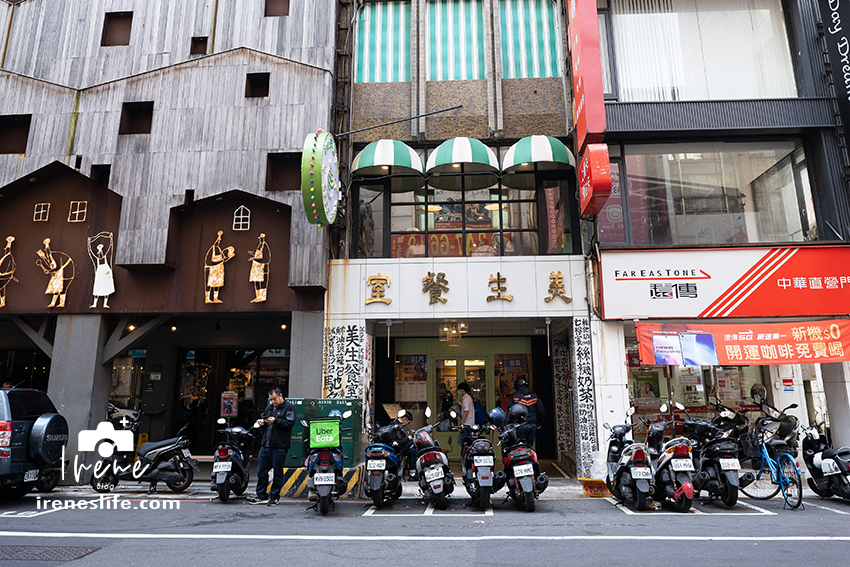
column 477, row 371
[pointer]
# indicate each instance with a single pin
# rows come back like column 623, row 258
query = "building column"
column 584, row 397
column 79, row 384
column 836, row 389
column 305, row 354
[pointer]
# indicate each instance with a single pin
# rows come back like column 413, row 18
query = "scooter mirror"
column 346, row 414
column 222, row 421
column 453, row 413
column 606, row 426
column 303, row 423
column 679, row 406
column 663, row 408
column 427, row 412
column 401, row 413
column 631, row 411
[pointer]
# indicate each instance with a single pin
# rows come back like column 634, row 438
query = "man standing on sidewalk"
column 276, row 424
column 468, row 409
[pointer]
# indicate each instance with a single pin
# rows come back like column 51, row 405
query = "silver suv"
column 32, row 435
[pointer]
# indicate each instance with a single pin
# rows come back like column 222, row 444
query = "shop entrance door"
column 475, row 370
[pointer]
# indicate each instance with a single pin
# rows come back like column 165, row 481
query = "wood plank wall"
column 206, row 135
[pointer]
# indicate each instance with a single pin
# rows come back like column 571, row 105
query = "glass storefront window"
column 127, row 379
column 716, row 193
column 494, row 221
column 674, row 50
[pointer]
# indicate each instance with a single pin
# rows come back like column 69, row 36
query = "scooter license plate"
column 31, row 476
column 523, row 470
column 222, row 467
column 187, row 453
column 376, row 465
column 641, row 473
column 730, row 464
column 434, row 474
column 324, row 478
column 682, row 465
column 484, row 461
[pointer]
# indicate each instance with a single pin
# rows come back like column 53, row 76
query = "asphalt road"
column 566, row 529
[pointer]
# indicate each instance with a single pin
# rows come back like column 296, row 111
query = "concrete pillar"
column 79, row 383
column 305, row 354
column 612, row 377
column 836, row 387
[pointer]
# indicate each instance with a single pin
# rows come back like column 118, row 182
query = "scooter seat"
column 842, row 452
column 152, row 445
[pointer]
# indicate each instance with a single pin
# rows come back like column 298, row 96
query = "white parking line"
column 429, row 511
column 828, row 508
column 695, row 511
column 27, row 514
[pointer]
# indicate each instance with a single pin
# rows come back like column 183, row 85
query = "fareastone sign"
column 836, row 24
column 740, row 282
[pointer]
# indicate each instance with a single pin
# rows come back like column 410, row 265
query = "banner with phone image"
column 697, row 344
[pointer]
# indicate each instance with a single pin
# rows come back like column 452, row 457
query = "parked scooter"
column 673, row 464
column 231, row 462
column 168, row 461
column 521, row 472
column 629, row 475
column 829, row 469
column 324, row 462
column 436, row 480
column 478, row 458
column 715, row 453
column 384, row 466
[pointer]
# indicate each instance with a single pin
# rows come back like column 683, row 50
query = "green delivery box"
column 324, row 433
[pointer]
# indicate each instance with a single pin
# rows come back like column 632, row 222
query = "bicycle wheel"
column 792, row 485
column 763, row 487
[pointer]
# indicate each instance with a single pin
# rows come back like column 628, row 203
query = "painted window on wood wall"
column 455, row 40
column 529, row 39
column 383, row 43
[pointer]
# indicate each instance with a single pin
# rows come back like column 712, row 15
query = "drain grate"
column 43, row 552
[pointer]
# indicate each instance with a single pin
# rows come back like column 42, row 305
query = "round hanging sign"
column 320, row 178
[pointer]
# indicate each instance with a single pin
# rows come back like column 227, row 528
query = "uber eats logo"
column 324, row 435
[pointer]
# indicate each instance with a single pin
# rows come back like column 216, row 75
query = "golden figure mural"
column 260, row 260
column 7, row 269
column 214, row 269
column 104, row 284
column 60, row 267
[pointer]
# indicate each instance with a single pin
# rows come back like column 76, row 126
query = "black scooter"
column 168, row 461
column 231, row 462
column 715, row 453
column 384, row 466
column 477, row 462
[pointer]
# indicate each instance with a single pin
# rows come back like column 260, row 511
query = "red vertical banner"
column 588, row 95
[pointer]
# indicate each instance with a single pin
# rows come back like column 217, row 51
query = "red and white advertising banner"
column 732, row 344
column 801, row 281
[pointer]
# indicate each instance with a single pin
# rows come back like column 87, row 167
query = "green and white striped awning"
column 462, row 156
column 390, row 158
column 533, row 154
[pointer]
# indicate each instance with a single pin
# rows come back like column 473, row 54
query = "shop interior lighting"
column 451, row 332
column 434, row 208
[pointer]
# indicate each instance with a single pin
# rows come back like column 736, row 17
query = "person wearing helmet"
column 528, row 399
column 407, row 450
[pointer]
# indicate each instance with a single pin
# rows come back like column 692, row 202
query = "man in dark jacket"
column 276, row 425
column 523, row 395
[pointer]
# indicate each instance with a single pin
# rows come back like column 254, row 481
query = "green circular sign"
column 320, row 178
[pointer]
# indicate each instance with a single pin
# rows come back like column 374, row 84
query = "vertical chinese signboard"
column 594, row 179
column 588, row 96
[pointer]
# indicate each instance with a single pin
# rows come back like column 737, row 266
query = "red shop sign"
column 588, row 95
column 594, row 178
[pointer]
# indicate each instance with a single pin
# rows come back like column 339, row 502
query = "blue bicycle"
column 769, row 458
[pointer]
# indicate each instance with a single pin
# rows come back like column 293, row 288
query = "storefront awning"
column 390, row 158
column 535, row 154
column 462, row 156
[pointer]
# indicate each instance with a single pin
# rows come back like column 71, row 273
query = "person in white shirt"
column 468, row 412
